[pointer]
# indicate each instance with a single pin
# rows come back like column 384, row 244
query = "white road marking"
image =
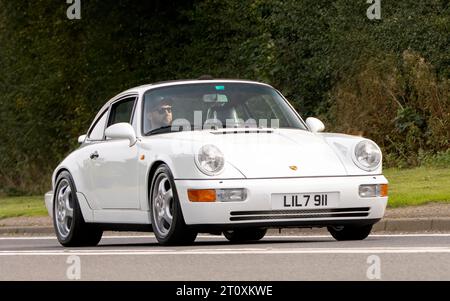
column 219, row 236
column 248, row 251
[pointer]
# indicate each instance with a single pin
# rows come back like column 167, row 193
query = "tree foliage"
column 385, row 78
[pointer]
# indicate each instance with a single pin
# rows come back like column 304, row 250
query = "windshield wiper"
column 158, row 130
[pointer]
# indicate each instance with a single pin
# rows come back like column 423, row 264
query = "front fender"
column 343, row 145
column 182, row 163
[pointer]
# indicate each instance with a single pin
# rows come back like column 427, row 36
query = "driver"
column 160, row 113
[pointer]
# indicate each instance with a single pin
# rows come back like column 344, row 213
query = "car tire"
column 243, row 235
column 165, row 211
column 350, row 232
column 70, row 228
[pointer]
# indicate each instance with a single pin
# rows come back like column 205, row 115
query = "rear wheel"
column 70, row 227
column 242, row 235
column 350, row 232
column 166, row 216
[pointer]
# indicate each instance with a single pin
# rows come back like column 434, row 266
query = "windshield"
column 214, row 106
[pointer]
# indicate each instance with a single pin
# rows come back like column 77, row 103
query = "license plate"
column 305, row 200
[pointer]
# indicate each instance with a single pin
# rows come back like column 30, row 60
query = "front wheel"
column 350, row 232
column 242, row 235
column 166, row 216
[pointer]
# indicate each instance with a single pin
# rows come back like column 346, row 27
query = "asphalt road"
column 320, row 257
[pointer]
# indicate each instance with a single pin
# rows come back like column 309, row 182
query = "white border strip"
column 228, row 251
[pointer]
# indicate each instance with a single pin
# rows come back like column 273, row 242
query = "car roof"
column 143, row 88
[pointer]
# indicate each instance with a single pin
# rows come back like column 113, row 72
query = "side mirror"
column 315, row 125
column 81, row 139
column 121, row 130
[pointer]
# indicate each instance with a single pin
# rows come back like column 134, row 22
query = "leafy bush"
column 439, row 159
column 387, row 79
column 401, row 104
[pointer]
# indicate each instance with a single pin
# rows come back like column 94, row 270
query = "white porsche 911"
column 217, row 156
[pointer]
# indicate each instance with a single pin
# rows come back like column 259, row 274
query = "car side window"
column 99, row 127
column 122, row 111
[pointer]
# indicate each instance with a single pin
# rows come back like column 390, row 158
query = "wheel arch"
column 150, row 174
column 58, row 172
column 82, row 202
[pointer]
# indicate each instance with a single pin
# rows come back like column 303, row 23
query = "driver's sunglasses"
column 164, row 110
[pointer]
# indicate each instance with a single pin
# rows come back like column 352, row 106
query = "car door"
column 95, row 136
column 114, row 167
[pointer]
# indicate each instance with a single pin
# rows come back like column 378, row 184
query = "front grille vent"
column 298, row 214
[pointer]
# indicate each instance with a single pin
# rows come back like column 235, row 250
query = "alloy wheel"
column 64, row 208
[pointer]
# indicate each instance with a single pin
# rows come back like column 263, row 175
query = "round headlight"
column 210, row 160
column 367, row 155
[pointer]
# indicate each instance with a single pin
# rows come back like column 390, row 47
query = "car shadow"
column 218, row 242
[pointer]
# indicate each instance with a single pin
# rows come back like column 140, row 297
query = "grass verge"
column 22, row 206
column 418, row 186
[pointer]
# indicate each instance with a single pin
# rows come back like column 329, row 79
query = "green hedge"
column 387, row 79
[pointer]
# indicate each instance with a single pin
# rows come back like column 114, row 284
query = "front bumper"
column 257, row 208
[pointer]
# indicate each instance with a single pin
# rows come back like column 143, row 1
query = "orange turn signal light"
column 383, row 189
column 202, row 195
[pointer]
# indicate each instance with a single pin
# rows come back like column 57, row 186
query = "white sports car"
column 217, row 156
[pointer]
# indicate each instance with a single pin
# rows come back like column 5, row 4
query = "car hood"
column 280, row 153
column 270, row 153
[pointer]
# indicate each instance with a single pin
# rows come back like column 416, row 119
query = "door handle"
column 94, row 155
